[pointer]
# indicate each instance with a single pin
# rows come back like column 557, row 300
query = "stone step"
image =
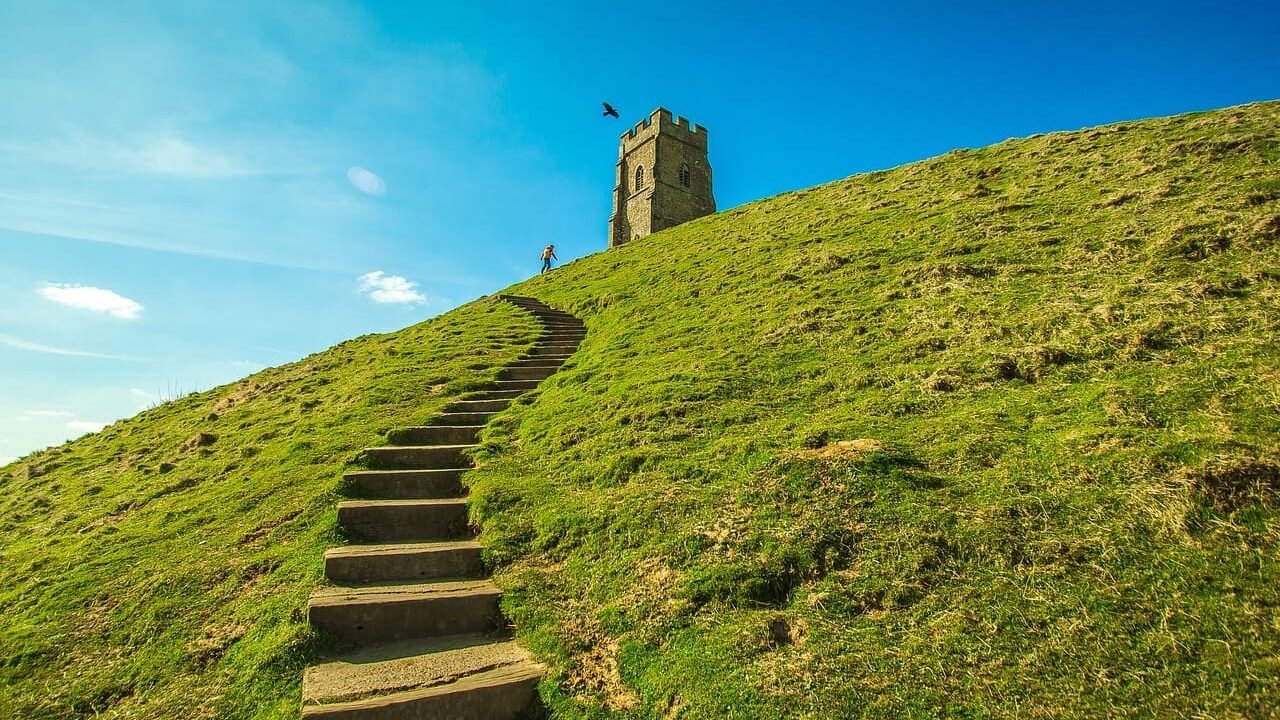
column 435, row 435
column 404, row 520
column 356, row 564
column 561, row 339
column 417, row 457
column 485, row 406
column 518, row 372
column 540, row 308
column 461, row 418
column 387, row 613
column 407, row 665
column 552, row 350
column 495, row 395
column 551, row 361
column 522, row 300
column 478, row 681
column 563, row 324
column 406, row 484
column 512, row 385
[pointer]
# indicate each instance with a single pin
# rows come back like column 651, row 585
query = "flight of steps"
column 412, row 599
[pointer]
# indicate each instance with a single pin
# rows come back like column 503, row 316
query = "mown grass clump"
column 160, row 568
column 993, row 433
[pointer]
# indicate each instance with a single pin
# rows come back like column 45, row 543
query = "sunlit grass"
column 990, row 434
column 161, row 567
column 1059, row 357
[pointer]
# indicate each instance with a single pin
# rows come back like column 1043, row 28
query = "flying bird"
column 609, row 111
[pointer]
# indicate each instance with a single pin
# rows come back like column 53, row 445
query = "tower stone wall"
column 663, row 177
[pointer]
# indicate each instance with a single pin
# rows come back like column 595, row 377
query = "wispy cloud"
column 96, row 299
column 85, row 426
column 49, row 413
column 143, row 399
column 366, row 181
column 20, row 344
column 384, row 288
column 160, row 154
column 66, row 418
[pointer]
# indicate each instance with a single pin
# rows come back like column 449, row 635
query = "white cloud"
column 92, row 298
column 144, row 399
column 175, row 156
column 365, row 181
column 384, row 288
column 85, row 426
column 49, row 413
column 6, row 459
column 19, row 343
column 160, row 154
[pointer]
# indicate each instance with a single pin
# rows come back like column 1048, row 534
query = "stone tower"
column 664, row 177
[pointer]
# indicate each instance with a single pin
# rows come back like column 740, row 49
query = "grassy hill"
column 996, row 433
column 161, row 567
column 991, row 434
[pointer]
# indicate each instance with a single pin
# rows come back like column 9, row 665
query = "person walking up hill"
column 548, row 254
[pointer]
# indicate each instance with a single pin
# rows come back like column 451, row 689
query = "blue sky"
column 192, row 191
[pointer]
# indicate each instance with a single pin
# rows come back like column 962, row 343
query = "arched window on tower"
column 684, row 174
column 639, row 177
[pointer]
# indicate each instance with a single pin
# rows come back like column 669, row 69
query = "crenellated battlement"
column 661, row 120
column 663, row 178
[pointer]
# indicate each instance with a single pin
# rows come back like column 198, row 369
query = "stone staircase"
column 411, row 599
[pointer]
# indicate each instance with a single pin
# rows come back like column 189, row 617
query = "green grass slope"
column 991, row 434
column 161, row 567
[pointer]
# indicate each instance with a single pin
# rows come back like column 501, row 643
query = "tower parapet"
column 663, row 177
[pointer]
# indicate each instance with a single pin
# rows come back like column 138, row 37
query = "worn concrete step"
column 435, row 435
column 495, row 395
column 417, row 457
column 356, row 564
column 549, row 357
column 560, row 347
column 467, row 686
column 407, row 665
column 563, row 324
column 552, row 350
column 519, row 372
column 522, row 300
column 489, row 406
column 550, row 361
column 461, row 418
column 404, row 520
column 387, row 613
column 406, row 484
column 512, row 385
